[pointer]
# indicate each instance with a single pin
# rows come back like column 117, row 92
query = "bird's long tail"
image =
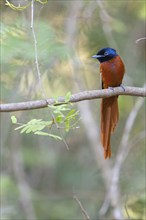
column 109, row 119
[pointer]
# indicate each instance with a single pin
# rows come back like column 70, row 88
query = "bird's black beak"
column 97, row 56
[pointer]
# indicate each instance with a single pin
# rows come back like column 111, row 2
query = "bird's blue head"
column 105, row 54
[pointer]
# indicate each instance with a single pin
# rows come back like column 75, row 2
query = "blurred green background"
column 39, row 176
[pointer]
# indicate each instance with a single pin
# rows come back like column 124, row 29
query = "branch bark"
column 81, row 96
column 82, row 208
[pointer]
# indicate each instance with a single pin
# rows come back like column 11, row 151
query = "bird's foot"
column 111, row 88
column 122, row 87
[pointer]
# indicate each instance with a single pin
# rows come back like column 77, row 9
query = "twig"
column 81, row 96
column 58, row 127
column 140, row 39
column 82, row 208
column 36, row 51
column 38, row 69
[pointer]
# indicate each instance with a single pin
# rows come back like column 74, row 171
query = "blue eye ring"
column 106, row 53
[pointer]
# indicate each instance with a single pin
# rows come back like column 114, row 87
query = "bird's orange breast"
column 112, row 72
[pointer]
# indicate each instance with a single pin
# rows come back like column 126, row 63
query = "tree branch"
column 36, row 51
column 81, row 207
column 81, row 96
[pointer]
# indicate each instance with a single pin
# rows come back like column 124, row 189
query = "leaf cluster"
column 63, row 116
column 17, row 47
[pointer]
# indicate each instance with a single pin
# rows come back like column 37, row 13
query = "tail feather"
column 109, row 120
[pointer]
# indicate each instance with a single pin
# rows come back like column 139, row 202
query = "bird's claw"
column 122, row 87
column 111, row 88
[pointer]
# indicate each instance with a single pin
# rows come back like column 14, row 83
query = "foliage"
column 17, row 48
column 20, row 8
column 63, row 116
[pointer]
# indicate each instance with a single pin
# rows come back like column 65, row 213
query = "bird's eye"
column 106, row 53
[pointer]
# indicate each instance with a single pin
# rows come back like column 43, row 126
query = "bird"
column 112, row 71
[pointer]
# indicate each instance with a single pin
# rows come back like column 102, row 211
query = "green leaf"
column 60, row 108
column 48, row 123
column 40, row 127
column 52, row 106
column 24, row 129
column 55, row 137
column 41, row 133
column 67, row 126
column 59, row 118
column 29, row 130
column 33, row 126
column 57, row 109
column 34, row 121
column 67, row 97
column 13, row 119
column 72, row 114
column 58, row 112
column 20, row 127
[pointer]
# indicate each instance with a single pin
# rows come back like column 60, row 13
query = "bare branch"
column 36, row 50
column 81, row 207
column 81, row 96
